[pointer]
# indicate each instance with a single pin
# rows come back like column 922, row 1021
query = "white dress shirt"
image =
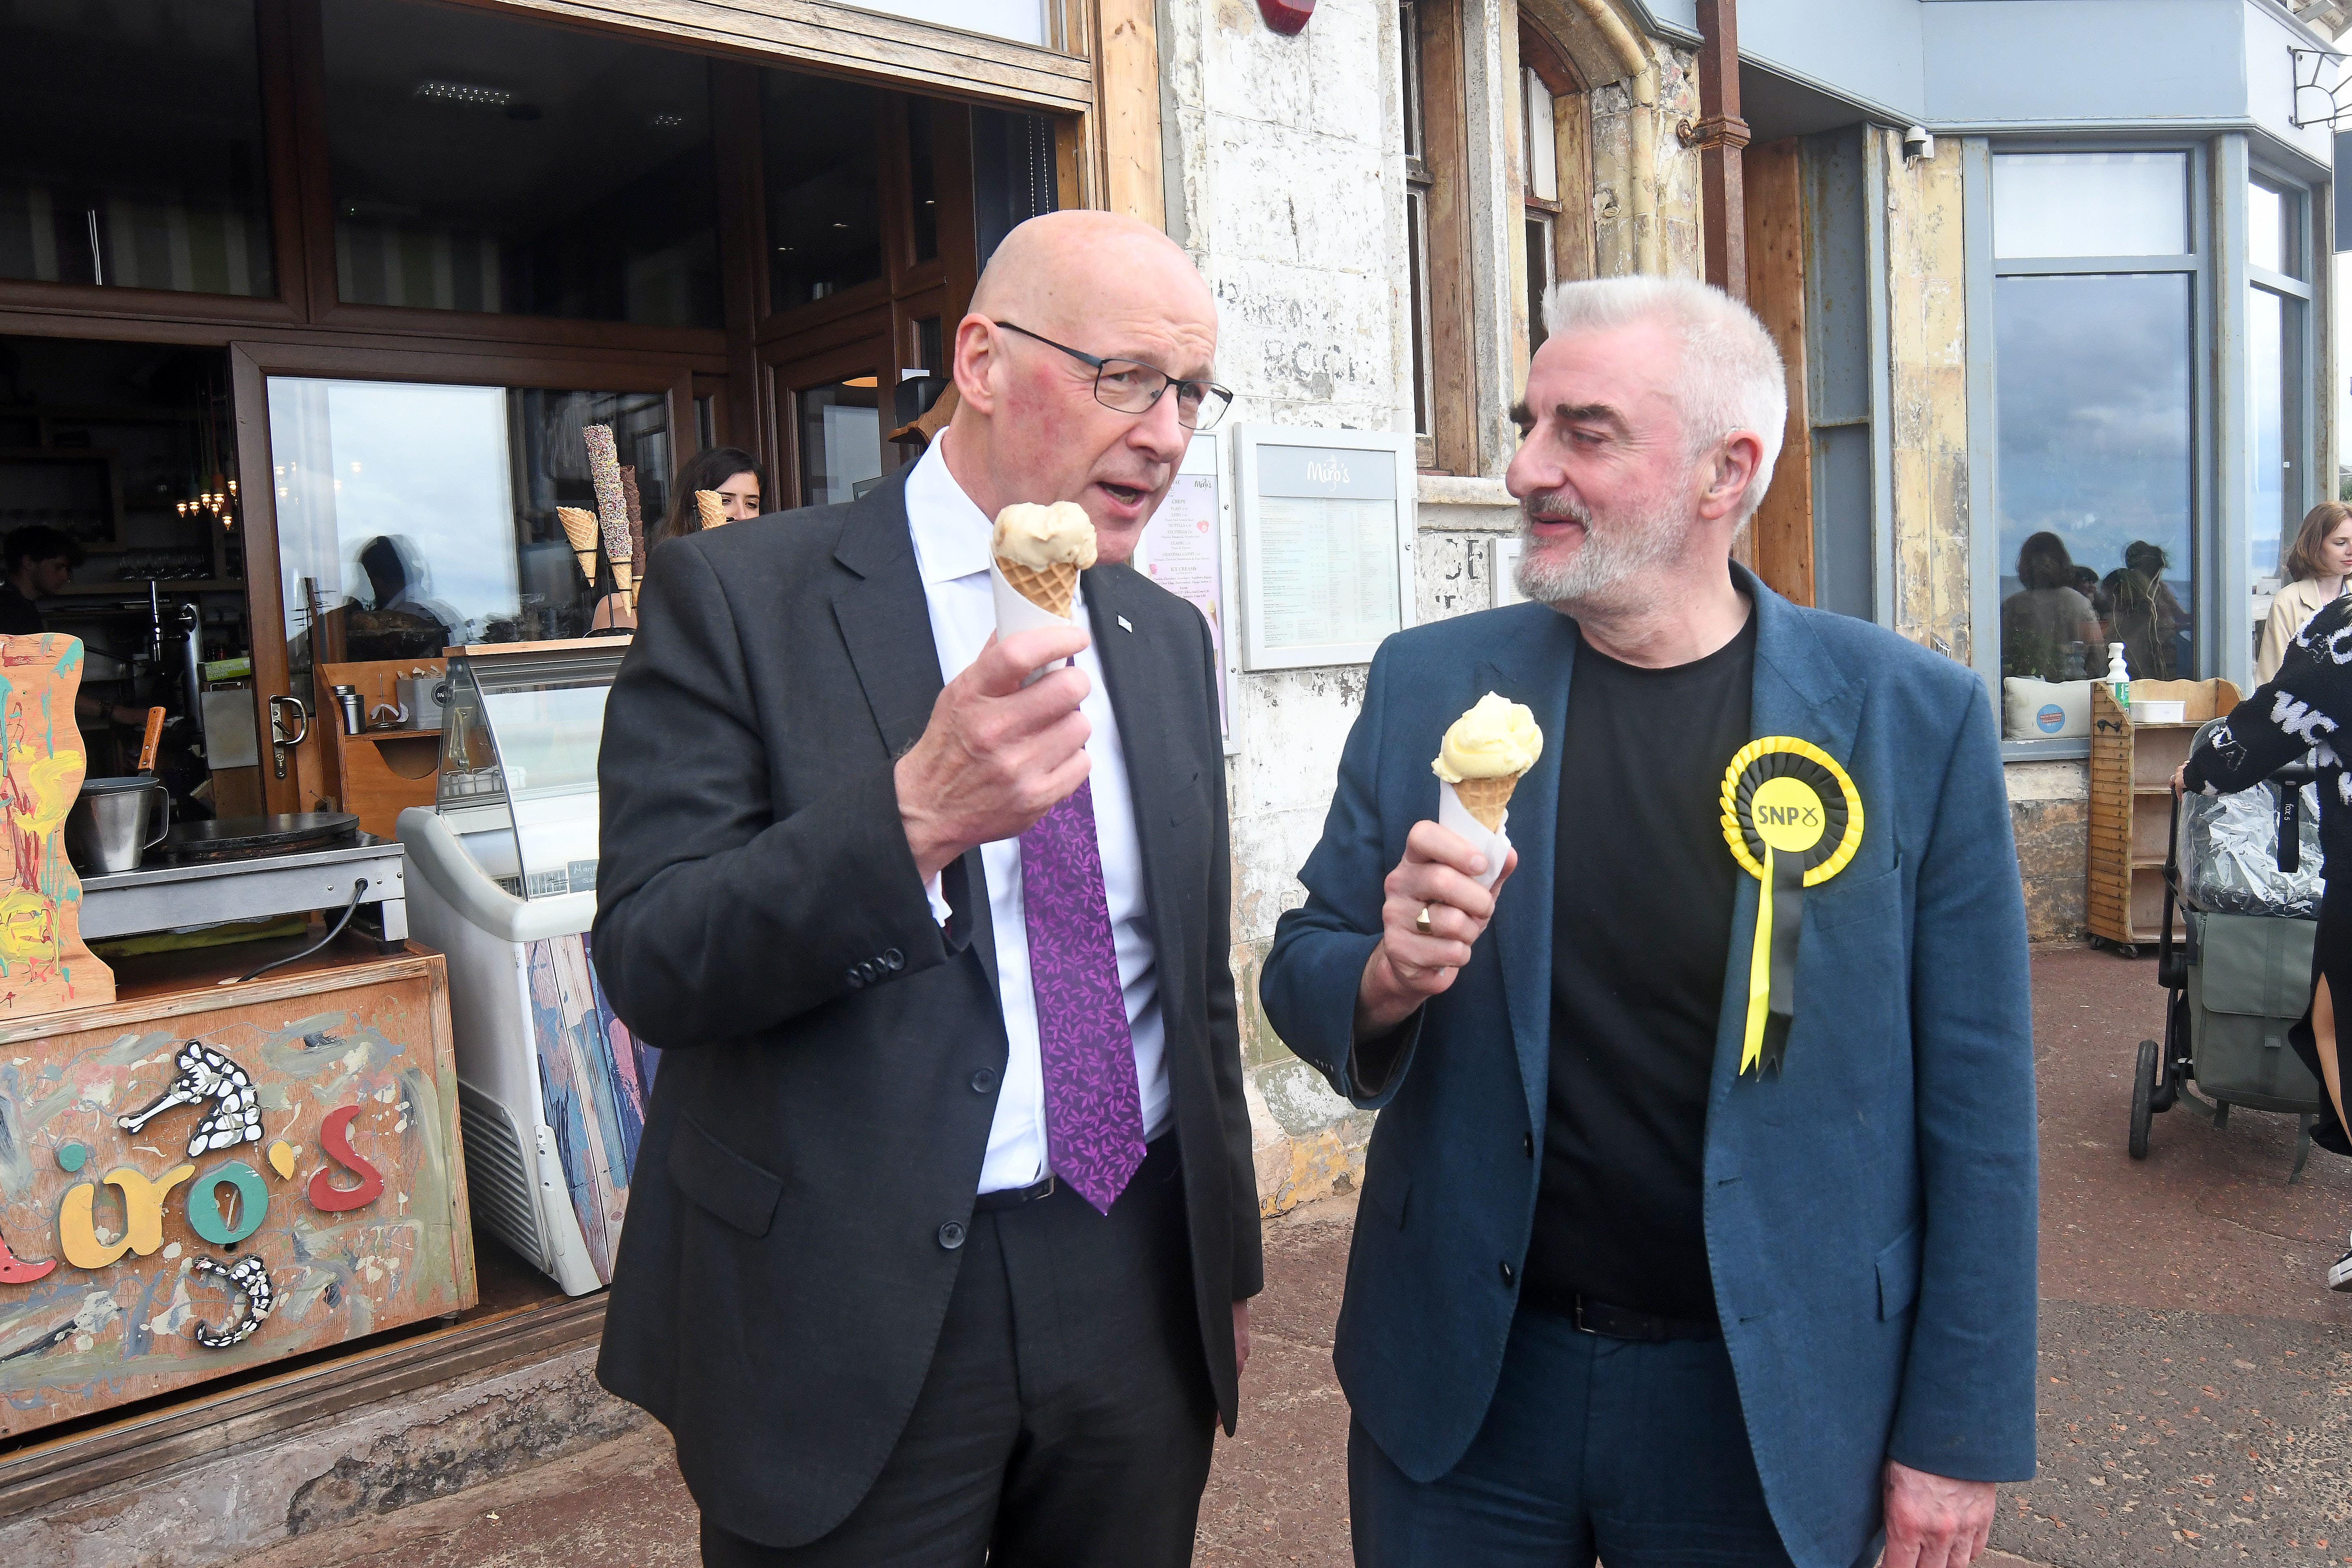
column 952, row 540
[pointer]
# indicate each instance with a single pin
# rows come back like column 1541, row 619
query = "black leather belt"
column 1593, row 1317
column 1014, row 1197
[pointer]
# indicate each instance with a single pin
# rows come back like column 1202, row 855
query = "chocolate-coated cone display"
column 1485, row 798
column 1051, row 588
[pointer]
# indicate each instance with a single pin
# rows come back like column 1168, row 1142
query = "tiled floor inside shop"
column 2198, row 1392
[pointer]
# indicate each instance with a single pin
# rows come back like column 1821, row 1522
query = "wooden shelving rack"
column 2131, row 801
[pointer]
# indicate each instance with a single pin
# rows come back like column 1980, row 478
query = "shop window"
column 131, row 146
column 1023, row 21
column 823, row 146
column 2279, row 353
column 1555, row 173
column 481, row 163
column 413, row 517
column 840, row 440
column 1429, row 35
column 1012, row 174
column 2095, row 385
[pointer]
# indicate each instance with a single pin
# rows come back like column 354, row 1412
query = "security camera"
column 1918, row 143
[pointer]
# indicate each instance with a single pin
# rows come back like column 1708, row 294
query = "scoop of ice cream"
column 1043, row 536
column 1496, row 737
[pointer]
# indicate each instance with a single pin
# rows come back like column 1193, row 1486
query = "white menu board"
column 1187, row 549
column 1326, row 525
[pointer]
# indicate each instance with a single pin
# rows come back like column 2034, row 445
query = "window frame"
column 2303, row 435
column 1433, row 110
column 2209, row 523
column 1567, row 217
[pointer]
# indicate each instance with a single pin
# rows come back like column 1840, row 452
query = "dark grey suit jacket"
column 819, row 1117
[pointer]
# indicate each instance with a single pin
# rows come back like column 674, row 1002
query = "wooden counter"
column 346, row 1213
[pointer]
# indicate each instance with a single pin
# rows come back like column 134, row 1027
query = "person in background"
column 2299, row 710
column 39, row 561
column 2143, row 615
column 730, row 471
column 2047, row 614
column 2086, row 583
column 2315, row 567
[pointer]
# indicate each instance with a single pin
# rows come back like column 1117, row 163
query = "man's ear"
column 977, row 353
column 1728, row 472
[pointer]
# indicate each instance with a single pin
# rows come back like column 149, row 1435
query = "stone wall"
column 2050, row 810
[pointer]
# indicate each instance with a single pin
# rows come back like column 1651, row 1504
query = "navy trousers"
column 1632, row 1452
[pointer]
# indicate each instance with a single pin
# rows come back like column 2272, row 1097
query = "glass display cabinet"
column 551, row 1086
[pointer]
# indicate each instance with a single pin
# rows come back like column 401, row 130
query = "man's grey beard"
column 1611, row 558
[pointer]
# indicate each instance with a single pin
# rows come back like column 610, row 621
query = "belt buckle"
column 1044, row 1188
column 1576, row 1318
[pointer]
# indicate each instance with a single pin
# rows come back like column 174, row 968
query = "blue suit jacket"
column 1869, row 1212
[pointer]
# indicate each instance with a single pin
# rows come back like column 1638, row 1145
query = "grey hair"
column 1731, row 377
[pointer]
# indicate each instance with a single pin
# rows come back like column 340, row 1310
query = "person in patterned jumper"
column 2302, row 709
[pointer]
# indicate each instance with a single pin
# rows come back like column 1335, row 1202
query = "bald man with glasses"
column 945, row 1221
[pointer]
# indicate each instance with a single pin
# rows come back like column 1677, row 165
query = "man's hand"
column 1408, row 967
column 1933, row 1521
column 996, row 756
column 1241, row 1338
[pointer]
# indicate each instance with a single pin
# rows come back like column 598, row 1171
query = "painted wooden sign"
column 43, row 964
column 203, row 1180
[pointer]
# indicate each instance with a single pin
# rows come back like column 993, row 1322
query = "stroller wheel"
column 2143, row 1085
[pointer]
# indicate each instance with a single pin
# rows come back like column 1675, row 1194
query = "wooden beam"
column 1773, row 181
column 1719, row 135
column 1126, row 74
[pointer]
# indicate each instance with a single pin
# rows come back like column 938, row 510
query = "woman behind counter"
column 2311, row 692
column 2315, row 567
column 729, row 472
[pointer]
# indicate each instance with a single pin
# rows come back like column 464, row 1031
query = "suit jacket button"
column 1507, row 1274
column 1527, row 1144
column 984, row 1080
column 951, row 1235
column 894, row 959
column 854, row 979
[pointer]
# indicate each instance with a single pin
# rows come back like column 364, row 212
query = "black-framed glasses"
column 1130, row 386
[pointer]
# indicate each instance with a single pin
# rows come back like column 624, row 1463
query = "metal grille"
column 497, row 1181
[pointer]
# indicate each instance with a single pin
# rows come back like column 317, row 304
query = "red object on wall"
column 1285, row 15
column 335, row 1139
column 16, row 1271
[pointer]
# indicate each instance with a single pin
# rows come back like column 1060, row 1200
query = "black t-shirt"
column 1644, row 886
column 19, row 616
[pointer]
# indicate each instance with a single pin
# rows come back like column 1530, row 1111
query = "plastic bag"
column 2228, row 855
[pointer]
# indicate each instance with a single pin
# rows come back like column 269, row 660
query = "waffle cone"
column 1485, row 798
column 624, row 582
column 713, row 510
column 1051, row 588
column 579, row 528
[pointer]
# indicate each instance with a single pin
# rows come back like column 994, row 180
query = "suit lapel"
column 1537, row 672
column 885, row 625
column 1144, row 690
column 1799, row 690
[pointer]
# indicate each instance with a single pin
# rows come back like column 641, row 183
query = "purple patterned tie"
column 1094, row 1111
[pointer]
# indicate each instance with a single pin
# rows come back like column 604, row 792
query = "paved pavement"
column 2197, row 1403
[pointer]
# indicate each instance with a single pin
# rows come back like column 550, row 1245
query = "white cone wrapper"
column 1454, row 817
column 1016, row 614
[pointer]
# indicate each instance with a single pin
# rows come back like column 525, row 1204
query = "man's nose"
column 1533, row 470
column 1159, row 432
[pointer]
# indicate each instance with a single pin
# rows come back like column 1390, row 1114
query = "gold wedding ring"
column 1421, row 922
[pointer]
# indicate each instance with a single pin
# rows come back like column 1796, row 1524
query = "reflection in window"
column 1013, row 175
column 1539, row 158
column 1417, row 181
column 411, row 518
column 825, row 210
column 132, row 153
column 2274, row 446
column 2090, row 204
column 2093, row 378
column 1023, row 21
column 840, row 441
column 923, row 178
column 480, row 164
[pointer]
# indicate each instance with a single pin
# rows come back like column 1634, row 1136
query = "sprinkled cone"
column 713, row 510
column 1051, row 588
column 1485, row 798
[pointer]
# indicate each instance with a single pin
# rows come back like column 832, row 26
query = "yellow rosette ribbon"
column 1793, row 820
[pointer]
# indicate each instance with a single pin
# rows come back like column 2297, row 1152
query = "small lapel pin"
column 1124, row 623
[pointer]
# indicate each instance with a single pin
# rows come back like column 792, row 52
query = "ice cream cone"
column 579, row 528
column 624, row 585
column 713, row 510
column 1051, row 588
column 1485, row 798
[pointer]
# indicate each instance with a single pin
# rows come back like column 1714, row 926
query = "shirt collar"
column 951, row 534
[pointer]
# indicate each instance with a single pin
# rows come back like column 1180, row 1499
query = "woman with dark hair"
column 731, row 473
column 728, row 472
column 2315, row 567
column 2143, row 614
column 2047, row 618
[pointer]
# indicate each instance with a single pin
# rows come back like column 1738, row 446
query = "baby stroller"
column 2244, row 871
